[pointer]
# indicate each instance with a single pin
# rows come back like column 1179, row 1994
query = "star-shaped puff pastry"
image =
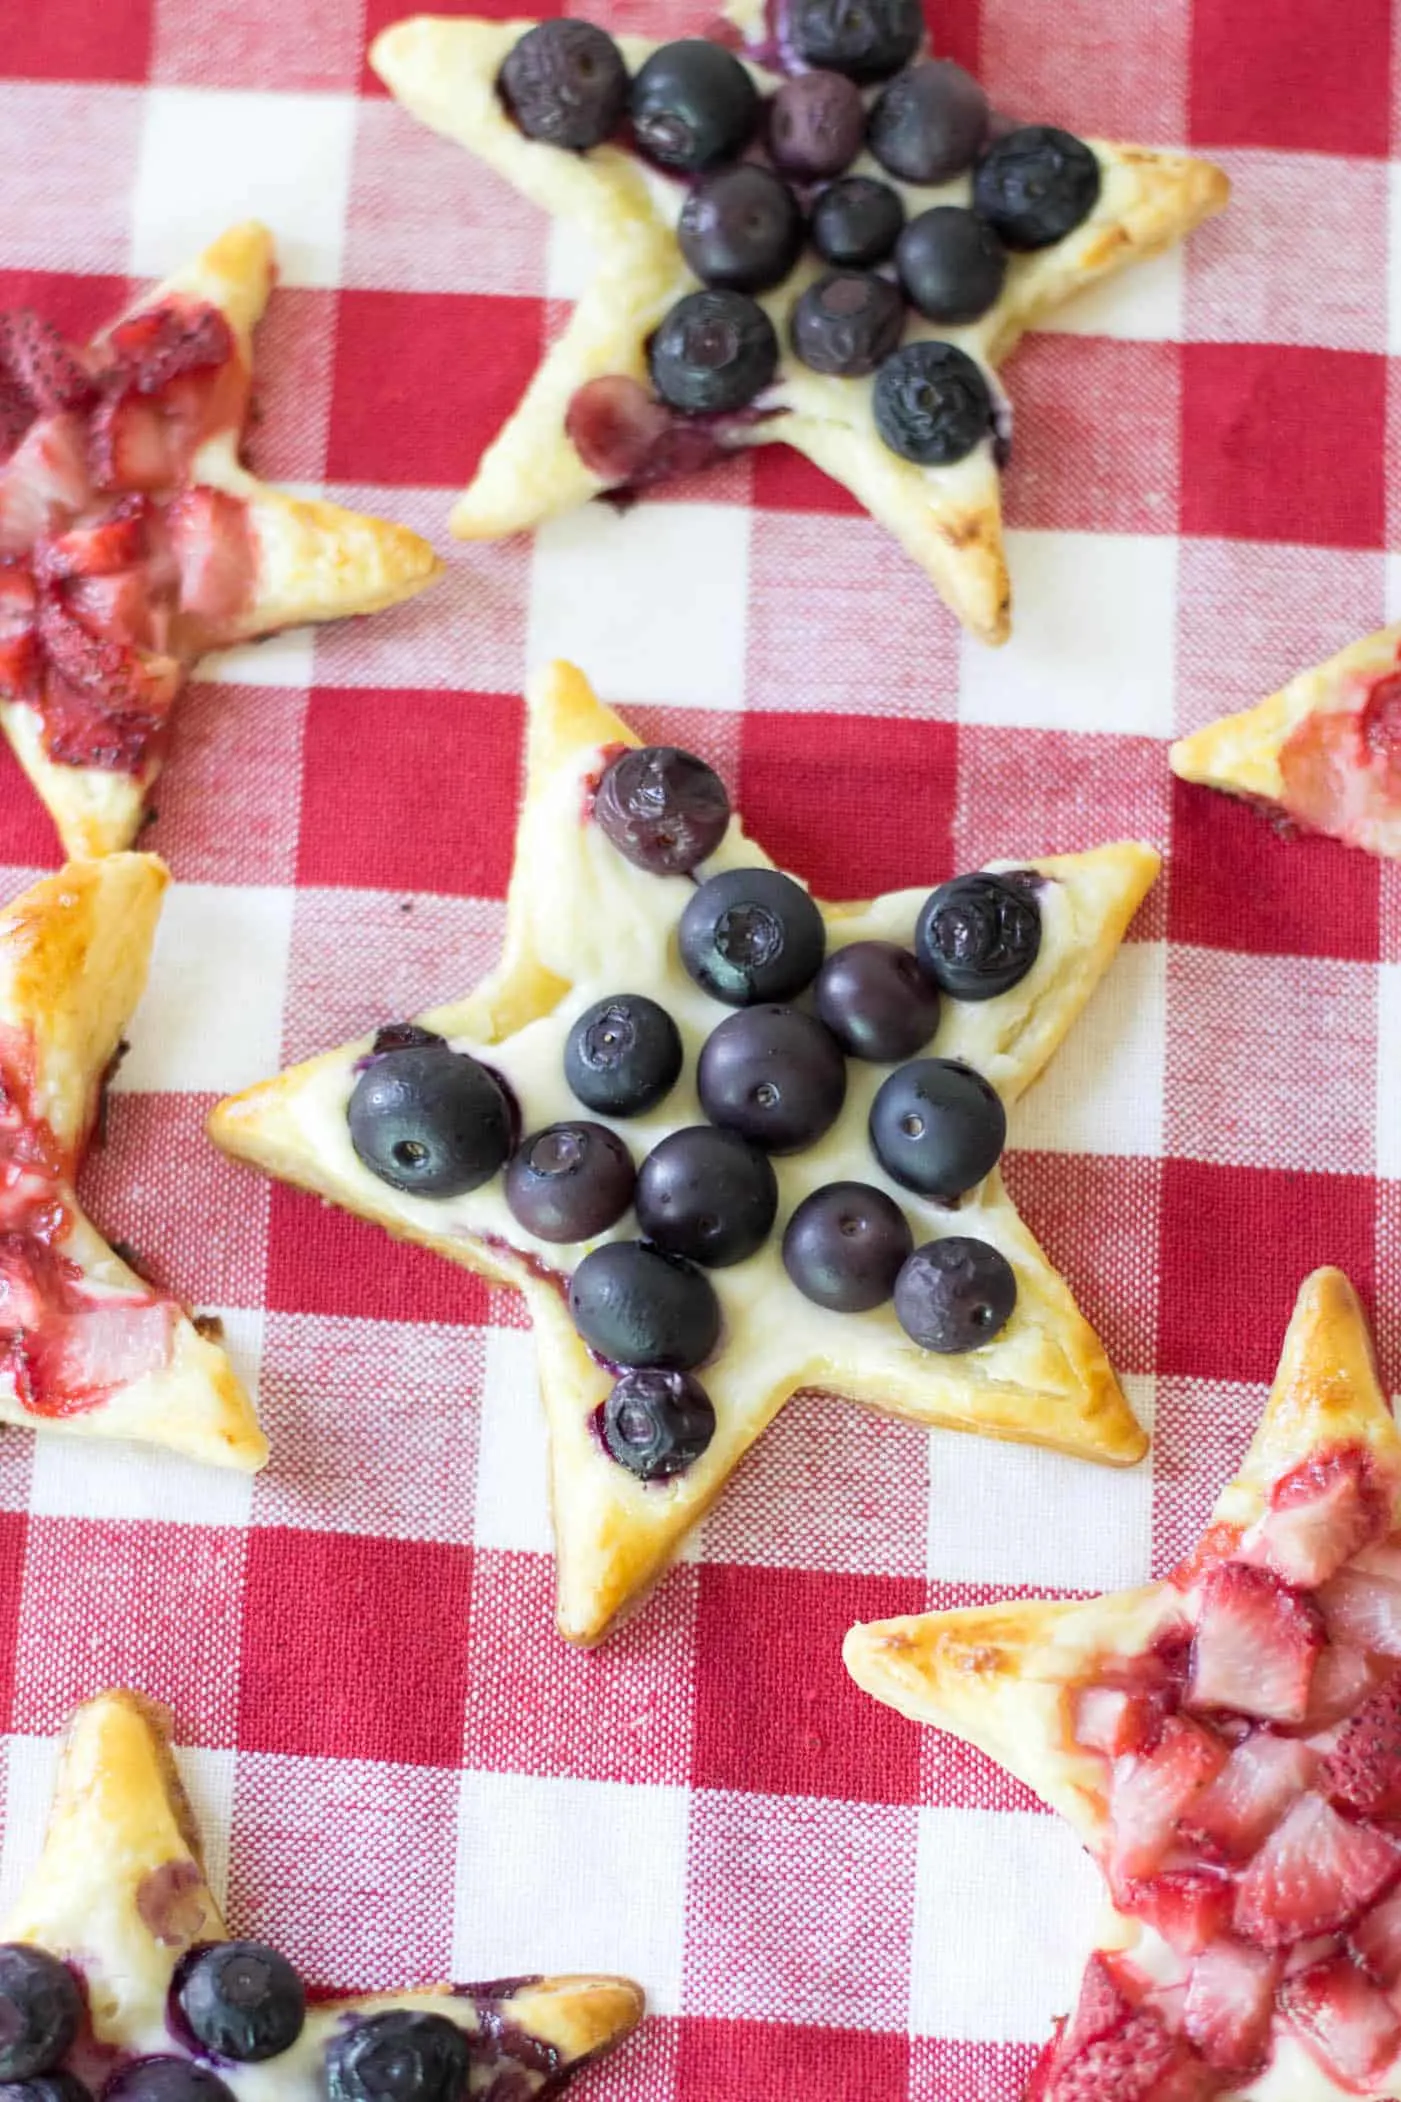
column 584, row 924
column 87, row 1347
column 948, row 519
column 133, row 539
column 120, row 1893
column 1323, row 753
column 1226, row 1744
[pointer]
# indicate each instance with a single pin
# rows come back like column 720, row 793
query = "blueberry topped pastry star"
column 805, row 231
column 729, row 1142
column 133, row 539
column 1227, row 1744
column 118, row 1976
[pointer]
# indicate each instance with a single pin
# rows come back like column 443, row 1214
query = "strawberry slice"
column 214, row 553
column 117, row 606
column 159, row 343
column 1313, row 1875
column 1255, row 1646
column 117, row 540
column 1113, row 1720
column 21, row 1304
column 1338, row 781
column 1350, row 2028
column 44, row 483
column 1137, row 2062
column 41, row 363
column 1363, row 1769
column 1230, row 1998
column 1189, row 1907
column 19, row 656
column 1342, row 1679
column 131, row 445
column 1320, row 1514
column 1363, row 1611
column 1150, row 1792
column 1262, row 1777
column 1376, row 1940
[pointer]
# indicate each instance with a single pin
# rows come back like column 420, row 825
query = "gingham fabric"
column 402, row 1771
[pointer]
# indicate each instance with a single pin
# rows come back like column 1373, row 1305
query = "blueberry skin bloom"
column 41, row 2010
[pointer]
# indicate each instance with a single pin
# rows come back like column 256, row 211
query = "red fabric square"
column 123, row 1603
column 14, row 1532
column 1283, row 443
column 27, row 836
column 424, row 381
column 1302, row 74
column 253, row 43
column 76, row 304
column 1238, row 882
column 1097, row 434
column 889, row 823
column 776, row 1711
column 1096, row 1216
column 1095, row 66
column 410, row 791
column 323, row 1261
column 786, row 481
column 382, row 1675
column 1236, row 1245
column 73, row 40
column 534, row 1705
column 783, row 2062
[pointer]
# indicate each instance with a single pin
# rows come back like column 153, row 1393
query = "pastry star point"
column 1047, row 1380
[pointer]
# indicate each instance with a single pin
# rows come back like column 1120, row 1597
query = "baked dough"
column 1306, row 753
column 73, row 956
column 947, row 519
column 121, row 1892
column 313, row 561
column 1003, row 1677
column 583, row 923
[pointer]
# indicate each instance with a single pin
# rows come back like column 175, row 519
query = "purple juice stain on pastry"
column 174, row 1904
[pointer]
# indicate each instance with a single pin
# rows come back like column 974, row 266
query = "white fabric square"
column 513, row 1493
column 1103, row 1091
column 210, row 1020
column 31, row 1764
column 284, row 659
column 1095, row 642
column 209, row 1782
column 211, row 157
column 561, row 1875
column 989, row 1959
column 650, row 604
column 1013, row 1514
column 1143, row 306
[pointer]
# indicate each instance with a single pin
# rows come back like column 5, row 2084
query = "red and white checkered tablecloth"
column 401, row 1769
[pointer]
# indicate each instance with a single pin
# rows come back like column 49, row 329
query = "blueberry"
column 657, row 1424
column 876, row 1001
column 847, row 323
column 951, row 264
column 865, row 39
column 565, row 82
column 938, row 1127
column 856, row 222
column 693, row 105
column 663, row 809
column 932, row 404
column 844, row 1247
column 240, row 2000
column 430, row 1120
column 775, row 1076
column 741, row 229
column 707, row 1194
column 1036, row 185
column 817, row 123
column 979, row 935
column 41, row 2010
column 953, row 1295
column 713, row 353
column 45, row 2087
column 569, row 1181
column 751, row 934
column 929, row 124
column 623, row 1055
column 635, row 1305
column 399, row 2057
column 164, row 2078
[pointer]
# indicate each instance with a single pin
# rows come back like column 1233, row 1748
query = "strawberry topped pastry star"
column 1227, row 1743
column 133, row 539
column 728, row 1142
column 88, row 1347
column 119, row 1978
column 1323, row 754
column 808, row 230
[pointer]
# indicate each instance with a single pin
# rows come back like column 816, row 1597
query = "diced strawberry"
column 213, row 549
column 118, row 606
column 1376, row 1940
column 1382, row 1559
column 16, row 413
column 82, row 729
column 1347, row 2025
column 21, row 1305
column 1320, row 1514
column 117, row 540
column 1230, row 1998
column 1139, row 2062
column 43, row 484
column 158, row 343
column 19, row 659
column 1336, row 782
column 52, row 375
column 1102, row 2006
column 1363, row 1769
column 1149, row 1793
column 1119, row 1719
column 1364, row 1611
column 1342, row 1679
column 1262, row 1777
column 1255, row 1646
column 131, row 445
column 1314, row 1875
column 1189, row 1907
